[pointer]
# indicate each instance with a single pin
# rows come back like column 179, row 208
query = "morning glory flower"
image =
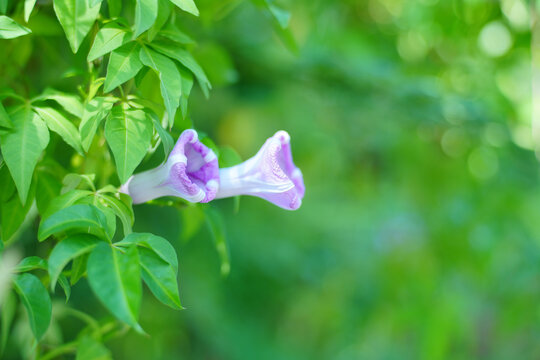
column 190, row 172
column 270, row 174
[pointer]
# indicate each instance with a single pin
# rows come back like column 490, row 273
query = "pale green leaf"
column 187, row 5
column 69, row 102
column 146, row 12
column 169, row 77
column 22, row 147
column 10, row 29
column 108, row 38
column 28, row 7
column 94, row 112
column 114, row 276
column 128, row 133
column 124, row 64
column 36, row 300
column 62, row 126
column 76, row 18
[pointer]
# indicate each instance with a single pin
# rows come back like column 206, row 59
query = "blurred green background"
column 418, row 234
column 418, row 237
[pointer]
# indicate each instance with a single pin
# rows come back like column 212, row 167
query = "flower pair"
column 192, row 173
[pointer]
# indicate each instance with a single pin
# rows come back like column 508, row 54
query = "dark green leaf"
column 76, row 18
column 124, row 64
column 9, row 29
column 160, row 278
column 5, row 121
column 80, row 218
column 115, row 278
column 36, row 300
column 128, row 133
column 67, row 250
column 22, row 147
column 108, row 38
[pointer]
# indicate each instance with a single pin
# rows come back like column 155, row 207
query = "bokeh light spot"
column 495, row 39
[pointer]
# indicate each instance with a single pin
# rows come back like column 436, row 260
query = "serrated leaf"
column 10, row 29
column 22, row 146
column 115, row 278
column 185, row 58
column 59, row 124
column 67, row 250
column 157, row 244
column 76, row 18
column 80, row 218
column 160, row 278
column 5, row 121
column 94, row 112
column 90, row 349
column 28, row 7
column 128, row 133
column 169, row 77
column 187, row 5
column 146, row 12
column 124, row 64
column 36, row 300
column 108, row 38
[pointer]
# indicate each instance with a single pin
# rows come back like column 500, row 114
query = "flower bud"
column 190, row 172
column 270, row 174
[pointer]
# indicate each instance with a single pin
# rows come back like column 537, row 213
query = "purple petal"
column 270, row 174
column 191, row 172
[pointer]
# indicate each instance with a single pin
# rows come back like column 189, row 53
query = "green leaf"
column 9, row 307
column 108, row 38
column 187, row 5
column 166, row 138
column 90, row 349
column 28, row 7
column 170, row 31
column 128, row 133
column 185, row 58
column 62, row 126
column 13, row 214
column 115, row 278
column 67, row 250
column 36, row 300
column 121, row 208
column 70, row 103
column 48, row 188
column 187, row 85
column 124, row 64
column 94, row 112
column 216, row 225
column 160, row 278
column 80, row 218
column 72, row 181
column 31, row 263
column 78, row 268
column 146, row 12
column 169, row 77
column 164, row 11
column 9, row 29
column 5, row 121
column 95, row 2
column 157, row 244
column 22, row 147
column 65, row 200
column 76, row 18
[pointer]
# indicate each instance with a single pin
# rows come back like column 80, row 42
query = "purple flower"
column 270, row 174
column 191, row 172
